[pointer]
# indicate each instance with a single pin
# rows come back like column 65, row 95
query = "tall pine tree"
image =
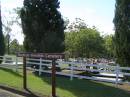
column 43, row 26
column 122, row 32
column 2, row 45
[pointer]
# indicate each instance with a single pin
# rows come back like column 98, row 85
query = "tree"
column 17, row 19
column 42, row 26
column 7, row 43
column 70, row 44
column 2, row 45
column 7, row 28
column 77, row 25
column 84, row 43
column 108, row 46
column 15, row 47
column 66, row 22
column 122, row 32
column 7, row 32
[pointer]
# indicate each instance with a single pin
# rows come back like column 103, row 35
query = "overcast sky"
column 99, row 13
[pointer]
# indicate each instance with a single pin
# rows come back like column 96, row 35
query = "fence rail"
column 114, row 74
column 10, row 62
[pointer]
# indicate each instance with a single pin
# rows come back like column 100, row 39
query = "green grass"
column 65, row 87
column 11, row 78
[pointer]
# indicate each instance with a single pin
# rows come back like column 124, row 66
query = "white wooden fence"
column 12, row 62
column 114, row 74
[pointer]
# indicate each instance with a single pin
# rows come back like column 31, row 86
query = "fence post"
column 24, row 73
column 40, row 67
column 16, row 63
column 53, row 78
column 81, row 66
column 117, row 74
column 71, row 77
column 4, row 59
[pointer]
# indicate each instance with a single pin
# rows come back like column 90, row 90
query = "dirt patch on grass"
column 125, row 87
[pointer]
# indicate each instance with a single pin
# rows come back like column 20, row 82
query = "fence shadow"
column 26, row 93
column 85, row 88
column 11, row 71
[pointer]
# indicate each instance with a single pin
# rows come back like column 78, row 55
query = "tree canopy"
column 82, row 41
column 122, row 32
column 2, row 45
column 85, row 43
column 42, row 26
column 109, row 46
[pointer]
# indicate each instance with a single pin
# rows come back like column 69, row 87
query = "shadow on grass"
column 26, row 92
column 11, row 72
column 86, row 88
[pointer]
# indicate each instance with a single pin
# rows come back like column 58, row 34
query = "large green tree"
column 15, row 47
column 2, row 45
column 108, row 46
column 43, row 26
column 84, row 43
column 122, row 32
column 81, row 41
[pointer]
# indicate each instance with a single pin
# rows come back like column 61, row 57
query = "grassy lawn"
column 65, row 87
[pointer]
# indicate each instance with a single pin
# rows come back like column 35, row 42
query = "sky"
column 99, row 13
